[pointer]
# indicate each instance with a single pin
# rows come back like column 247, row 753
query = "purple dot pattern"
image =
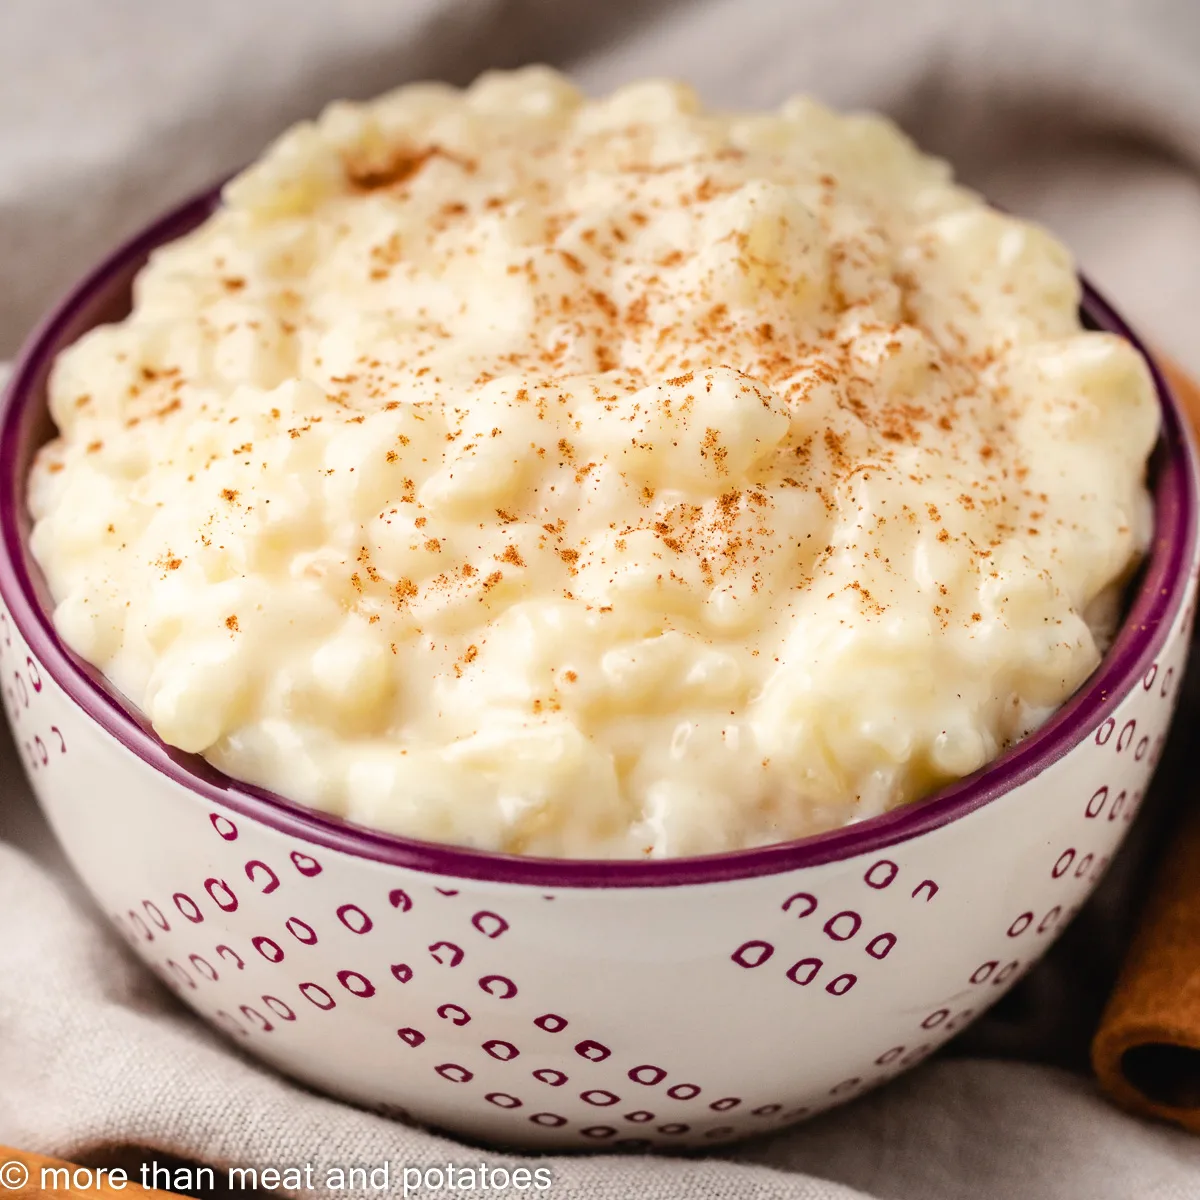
column 227, row 952
column 356, row 983
column 280, row 1008
column 224, row 826
column 648, row 1075
column 302, row 931
column 305, row 864
column 498, row 1048
column 827, row 961
column 592, row 1050
column 41, row 742
column 316, row 995
column 446, row 953
column 273, row 938
column 270, row 949
column 354, row 918
column 204, row 967
column 262, row 876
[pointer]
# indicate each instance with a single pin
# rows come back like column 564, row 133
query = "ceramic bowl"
column 560, row 1004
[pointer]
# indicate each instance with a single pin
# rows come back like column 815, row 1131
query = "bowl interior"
column 105, row 295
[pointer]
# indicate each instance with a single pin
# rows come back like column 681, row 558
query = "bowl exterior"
column 557, row 1017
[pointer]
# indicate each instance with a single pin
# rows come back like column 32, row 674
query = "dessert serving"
column 605, row 483
column 596, row 478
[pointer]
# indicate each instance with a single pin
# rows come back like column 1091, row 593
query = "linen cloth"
column 1083, row 113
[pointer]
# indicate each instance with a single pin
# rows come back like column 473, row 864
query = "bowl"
column 557, row 1004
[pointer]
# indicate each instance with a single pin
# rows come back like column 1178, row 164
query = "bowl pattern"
column 559, row 1016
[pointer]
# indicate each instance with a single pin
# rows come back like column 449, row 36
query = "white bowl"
column 550, row 1003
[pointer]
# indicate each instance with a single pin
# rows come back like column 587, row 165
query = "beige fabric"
column 1083, row 112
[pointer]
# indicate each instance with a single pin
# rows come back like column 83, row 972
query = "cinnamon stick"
column 27, row 1176
column 1146, row 1051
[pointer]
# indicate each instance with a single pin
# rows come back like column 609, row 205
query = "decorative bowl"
column 554, row 1004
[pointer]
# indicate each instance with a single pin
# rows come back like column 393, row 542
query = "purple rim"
column 104, row 295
